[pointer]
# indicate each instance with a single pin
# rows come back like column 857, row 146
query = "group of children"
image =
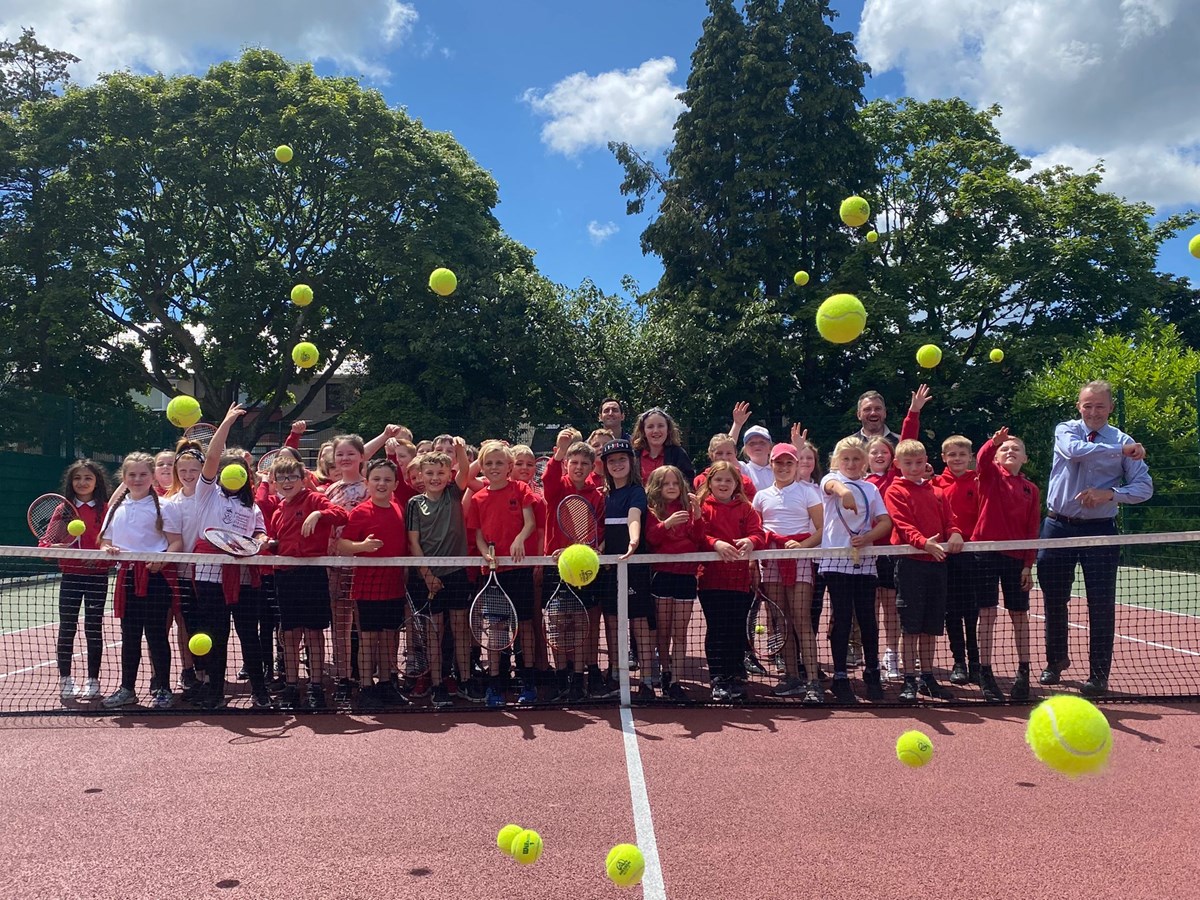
column 439, row 499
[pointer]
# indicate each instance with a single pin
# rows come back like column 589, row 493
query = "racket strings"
column 577, row 520
column 42, row 517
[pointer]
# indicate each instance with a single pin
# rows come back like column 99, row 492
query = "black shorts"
column 518, row 584
column 995, row 572
column 303, row 595
column 673, row 586
column 962, row 584
column 641, row 603
column 589, row 594
column 381, row 615
column 885, row 572
column 921, row 596
column 455, row 594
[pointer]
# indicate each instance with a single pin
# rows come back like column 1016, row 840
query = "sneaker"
column 213, row 701
column 634, row 665
column 123, row 697
column 494, row 699
column 1052, row 674
column 842, row 691
column 196, row 693
column 66, row 688
column 316, row 696
column 720, row 691
column 370, row 697
column 162, row 699
column 908, row 693
column 737, row 688
column 779, row 662
column 791, row 686
column 959, row 675
column 753, row 666
column 187, row 678
column 576, row 690
column 854, row 656
column 243, row 674
column 991, row 690
column 475, row 692
column 451, row 684
column 90, row 689
column 891, row 666
column 276, row 684
column 261, row 699
column 528, row 695
column 442, row 697
column 645, row 693
column 1020, row 687
column 676, row 693
column 391, row 695
column 1095, row 686
column 813, row 693
column 874, row 684
column 422, row 687
column 289, row 697
column 930, row 688
column 343, row 691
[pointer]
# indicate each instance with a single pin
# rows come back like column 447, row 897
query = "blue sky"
column 534, row 89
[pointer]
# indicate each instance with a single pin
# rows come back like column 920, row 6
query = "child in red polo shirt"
column 960, row 486
column 1009, row 510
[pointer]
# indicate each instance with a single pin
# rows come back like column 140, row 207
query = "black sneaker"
column 441, row 697
column 991, row 690
column 316, row 697
column 196, row 694
column 1020, row 686
column 634, row 665
column 370, row 696
column 874, row 684
column 343, row 691
column 475, row 692
column 392, row 695
column 908, row 693
column 575, row 688
column 1095, row 686
column 243, row 674
column 645, row 693
column 842, row 691
column 753, row 666
column 289, row 698
column 720, row 691
column 1052, row 674
column 959, row 674
column 276, row 684
column 261, row 699
column 814, row 693
column 930, row 688
column 187, row 679
column 676, row 693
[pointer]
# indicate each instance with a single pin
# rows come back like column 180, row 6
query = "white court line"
column 53, row 662
column 652, row 881
column 1165, row 612
column 27, row 628
column 1126, row 637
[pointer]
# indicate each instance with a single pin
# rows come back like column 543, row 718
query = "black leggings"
column 725, row 631
column 851, row 597
column 208, row 614
column 146, row 615
column 88, row 591
column 255, row 618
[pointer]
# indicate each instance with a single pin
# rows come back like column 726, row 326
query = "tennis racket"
column 539, row 469
column 420, row 634
column 766, row 627
column 231, row 542
column 202, row 433
column 578, row 522
column 858, row 521
column 565, row 619
column 48, row 517
column 493, row 616
column 266, row 461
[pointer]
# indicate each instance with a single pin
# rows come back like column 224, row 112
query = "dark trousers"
column 850, row 597
column 87, row 591
column 147, row 615
column 725, row 631
column 1056, row 575
column 962, row 608
column 208, row 614
column 254, row 619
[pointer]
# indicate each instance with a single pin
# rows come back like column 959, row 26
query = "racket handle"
column 856, row 557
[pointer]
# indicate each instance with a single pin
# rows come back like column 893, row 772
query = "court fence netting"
column 63, row 649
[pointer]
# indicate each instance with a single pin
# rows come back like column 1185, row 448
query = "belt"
column 1067, row 520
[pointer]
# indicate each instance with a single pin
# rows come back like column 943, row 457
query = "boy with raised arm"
column 959, row 484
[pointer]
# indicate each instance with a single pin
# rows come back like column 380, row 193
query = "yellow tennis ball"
column 914, row 749
column 996, row 355
column 305, row 355
column 504, row 837
column 283, row 153
column 76, row 527
column 183, row 411
column 234, row 477
column 578, row 565
column 200, row 644
column 760, row 629
column 625, row 865
column 302, row 295
column 527, row 847
column 801, row 278
column 442, row 282
column 872, row 237
column 1194, row 246
column 841, row 318
column 855, row 211
column 1070, row 735
column 929, row 356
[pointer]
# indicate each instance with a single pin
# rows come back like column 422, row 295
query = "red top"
column 747, row 484
column 404, row 491
column 499, row 515
column 962, row 493
column 687, row 538
column 555, row 486
column 267, row 501
column 387, row 524
column 596, row 479
column 1010, row 506
column 728, row 522
column 93, row 518
column 918, row 511
column 910, row 430
column 290, row 515
column 535, row 541
column 292, row 440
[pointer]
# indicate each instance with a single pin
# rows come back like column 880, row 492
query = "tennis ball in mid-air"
column 996, row 355
column 302, row 295
column 872, row 237
column 578, row 565
column 183, row 411
column 283, row 153
column 760, row 629
column 841, row 318
column 504, row 837
column 76, row 527
column 1194, row 246
column 1070, row 735
column 855, row 211
column 625, row 865
column 305, row 355
column 914, row 749
column 801, row 278
column 442, row 282
column 929, row 356
column 526, row 847
column 200, row 644
column 234, row 477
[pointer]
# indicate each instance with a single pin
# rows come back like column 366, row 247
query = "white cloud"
column 638, row 106
column 600, row 233
column 1078, row 81
column 152, row 35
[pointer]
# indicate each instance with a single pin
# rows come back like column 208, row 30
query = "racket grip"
column 856, row 557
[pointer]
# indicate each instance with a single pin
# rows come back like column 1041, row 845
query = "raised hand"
column 920, row 397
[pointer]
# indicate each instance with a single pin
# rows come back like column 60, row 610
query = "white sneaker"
column 122, row 697
column 90, row 689
column 891, row 666
column 161, row 699
column 66, row 687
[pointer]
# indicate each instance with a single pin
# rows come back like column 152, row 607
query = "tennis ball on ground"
column 801, row 278
column 625, row 865
column 183, row 411
column 914, row 749
column 527, row 847
column 442, row 282
column 841, row 318
column 302, row 295
column 1070, row 735
column 578, row 565
column 1194, row 246
column 872, row 237
column 76, row 527
column 855, row 211
column 504, row 837
column 200, row 644
column 234, row 477
column 283, row 153
column 929, row 356
column 996, row 355
column 305, row 355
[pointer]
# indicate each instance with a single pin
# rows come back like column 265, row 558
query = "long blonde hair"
column 133, row 459
column 654, row 490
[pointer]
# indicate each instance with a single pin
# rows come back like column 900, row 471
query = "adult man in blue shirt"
column 1096, row 466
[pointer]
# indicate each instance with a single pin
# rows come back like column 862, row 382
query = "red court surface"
column 745, row 803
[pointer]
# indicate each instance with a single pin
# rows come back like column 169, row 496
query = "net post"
column 622, row 664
